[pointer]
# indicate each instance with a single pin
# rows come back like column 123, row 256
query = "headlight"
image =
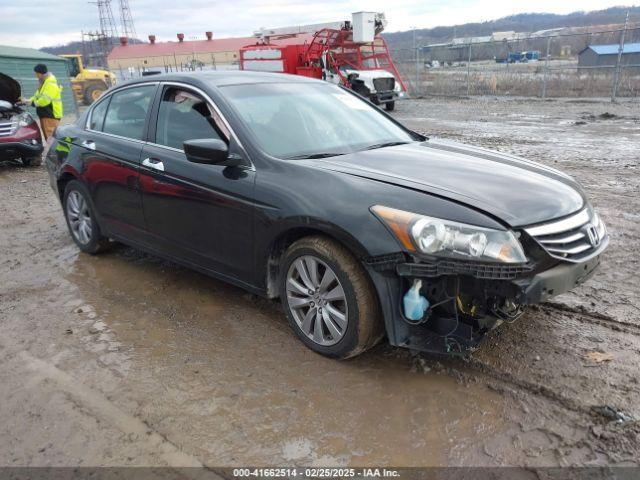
column 439, row 237
column 24, row 120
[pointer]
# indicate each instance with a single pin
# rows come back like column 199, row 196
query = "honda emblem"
column 592, row 233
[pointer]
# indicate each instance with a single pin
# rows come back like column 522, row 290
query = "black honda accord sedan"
column 295, row 188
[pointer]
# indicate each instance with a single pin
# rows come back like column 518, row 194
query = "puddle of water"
column 219, row 371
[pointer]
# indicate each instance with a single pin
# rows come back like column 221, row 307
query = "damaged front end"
column 448, row 305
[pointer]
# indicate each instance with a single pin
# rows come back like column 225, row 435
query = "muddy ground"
column 125, row 359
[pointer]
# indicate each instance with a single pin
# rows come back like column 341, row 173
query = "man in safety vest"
column 47, row 100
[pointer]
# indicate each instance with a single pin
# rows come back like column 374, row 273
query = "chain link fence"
column 197, row 62
column 551, row 65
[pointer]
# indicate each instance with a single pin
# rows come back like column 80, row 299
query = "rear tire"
column 32, row 161
column 334, row 310
column 390, row 106
column 81, row 219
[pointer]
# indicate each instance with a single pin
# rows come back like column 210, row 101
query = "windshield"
column 295, row 120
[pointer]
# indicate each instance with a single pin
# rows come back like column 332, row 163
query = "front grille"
column 7, row 129
column 574, row 238
column 384, row 84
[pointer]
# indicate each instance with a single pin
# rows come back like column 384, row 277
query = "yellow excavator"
column 87, row 84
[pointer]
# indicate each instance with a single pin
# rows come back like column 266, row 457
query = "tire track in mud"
column 99, row 406
column 617, row 440
column 590, row 317
column 508, row 380
column 469, row 366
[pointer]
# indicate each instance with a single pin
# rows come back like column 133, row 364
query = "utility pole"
column 415, row 49
column 616, row 76
column 546, row 69
column 108, row 29
column 469, row 71
column 85, row 57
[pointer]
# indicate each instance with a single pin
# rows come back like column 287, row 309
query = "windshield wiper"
column 385, row 144
column 314, row 155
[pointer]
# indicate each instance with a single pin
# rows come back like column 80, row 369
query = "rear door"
column 199, row 213
column 112, row 145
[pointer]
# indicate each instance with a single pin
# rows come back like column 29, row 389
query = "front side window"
column 184, row 115
column 97, row 115
column 292, row 120
column 127, row 112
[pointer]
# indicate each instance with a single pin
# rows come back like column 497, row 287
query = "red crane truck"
column 349, row 53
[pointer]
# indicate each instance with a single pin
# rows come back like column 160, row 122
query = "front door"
column 199, row 213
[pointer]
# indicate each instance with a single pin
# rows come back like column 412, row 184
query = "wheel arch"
column 62, row 182
column 286, row 238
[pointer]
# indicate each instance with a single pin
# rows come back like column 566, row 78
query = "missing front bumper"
column 489, row 287
column 557, row 280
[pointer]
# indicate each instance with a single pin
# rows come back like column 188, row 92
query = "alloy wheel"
column 79, row 217
column 317, row 300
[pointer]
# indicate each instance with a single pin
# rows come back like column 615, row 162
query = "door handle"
column 90, row 144
column 153, row 163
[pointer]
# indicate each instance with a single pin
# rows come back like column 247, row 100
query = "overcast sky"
column 37, row 23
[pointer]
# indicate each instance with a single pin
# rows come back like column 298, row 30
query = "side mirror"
column 206, row 150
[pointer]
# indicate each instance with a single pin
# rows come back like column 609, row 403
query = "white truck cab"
column 378, row 85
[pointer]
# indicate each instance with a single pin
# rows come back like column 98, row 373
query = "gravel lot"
column 125, row 359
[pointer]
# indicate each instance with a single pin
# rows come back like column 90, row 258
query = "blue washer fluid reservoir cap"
column 414, row 304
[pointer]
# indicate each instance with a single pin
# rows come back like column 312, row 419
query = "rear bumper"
column 12, row 150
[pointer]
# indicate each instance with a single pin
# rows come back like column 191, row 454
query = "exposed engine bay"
column 8, row 111
column 20, row 136
column 9, row 97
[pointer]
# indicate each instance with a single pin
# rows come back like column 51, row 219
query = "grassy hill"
column 523, row 22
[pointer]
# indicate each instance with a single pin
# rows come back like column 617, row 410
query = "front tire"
column 328, row 298
column 390, row 106
column 81, row 219
column 93, row 93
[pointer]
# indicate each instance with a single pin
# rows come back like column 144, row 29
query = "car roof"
column 219, row 78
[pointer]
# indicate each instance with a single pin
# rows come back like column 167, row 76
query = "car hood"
column 517, row 191
column 10, row 90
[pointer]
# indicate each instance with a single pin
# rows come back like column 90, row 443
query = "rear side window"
column 97, row 115
column 185, row 115
column 127, row 112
